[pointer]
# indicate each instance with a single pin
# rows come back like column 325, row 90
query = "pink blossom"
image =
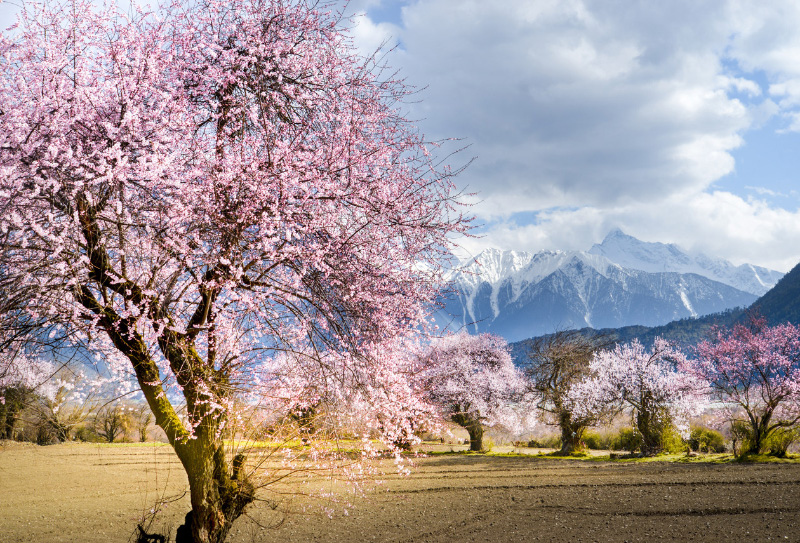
column 650, row 383
column 754, row 373
column 474, row 381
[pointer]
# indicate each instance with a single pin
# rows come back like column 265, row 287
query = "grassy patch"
column 768, row 459
column 130, row 444
column 681, row 458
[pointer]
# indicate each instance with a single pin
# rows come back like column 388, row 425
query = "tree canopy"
column 188, row 192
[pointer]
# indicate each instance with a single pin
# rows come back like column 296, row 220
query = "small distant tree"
column 110, row 422
column 555, row 363
column 651, row 384
column 142, row 417
column 68, row 408
column 754, row 373
column 474, row 381
column 23, row 379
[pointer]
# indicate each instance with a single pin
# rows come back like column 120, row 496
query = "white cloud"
column 569, row 103
column 718, row 223
column 596, row 114
column 370, row 37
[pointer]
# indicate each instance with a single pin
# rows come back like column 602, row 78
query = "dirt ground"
column 94, row 493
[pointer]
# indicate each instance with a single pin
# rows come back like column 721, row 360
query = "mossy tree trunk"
column 760, row 429
column 219, row 492
column 651, row 430
column 571, row 433
column 471, row 422
column 652, row 421
column 218, row 495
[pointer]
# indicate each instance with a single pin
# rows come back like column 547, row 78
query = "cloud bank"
column 590, row 115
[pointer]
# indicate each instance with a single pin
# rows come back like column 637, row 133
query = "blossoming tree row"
column 750, row 374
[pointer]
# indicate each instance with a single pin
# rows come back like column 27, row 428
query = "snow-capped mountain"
column 620, row 282
column 634, row 254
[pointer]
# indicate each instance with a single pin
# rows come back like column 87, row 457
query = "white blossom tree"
column 475, row 382
column 652, row 383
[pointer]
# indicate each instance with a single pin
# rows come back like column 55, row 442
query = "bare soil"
column 97, row 493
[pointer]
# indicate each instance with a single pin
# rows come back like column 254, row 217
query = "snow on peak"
column 629, row 252
column 496, row 266
column 514, row 271
column 618, row 282
column 654, row 257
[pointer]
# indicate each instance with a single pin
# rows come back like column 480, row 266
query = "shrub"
column 627, row 439
column 593, row 440
column 704, row 439
column 87, row 434
column 546, row 442
column 780, row 440
column 671, row 440
column 44, row 435
column 599, row 440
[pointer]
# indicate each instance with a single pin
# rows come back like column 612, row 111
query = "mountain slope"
column 779, row 305
column 620, row 282
column 782, row 303
column 528, row 295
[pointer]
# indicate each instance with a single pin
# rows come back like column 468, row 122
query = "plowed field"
column 91, row 493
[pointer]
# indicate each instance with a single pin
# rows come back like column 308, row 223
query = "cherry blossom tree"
column 554, row 364
column 474, row 381
column 649, row 382
column 187, row 193
column 754, row 372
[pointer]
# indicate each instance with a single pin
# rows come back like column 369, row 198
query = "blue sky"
column 676, row 121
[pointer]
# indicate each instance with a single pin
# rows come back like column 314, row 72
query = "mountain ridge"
column 630, row 252
column 779, row 305
column 517, row 294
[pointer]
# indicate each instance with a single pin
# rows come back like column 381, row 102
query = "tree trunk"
column 475, row 431
column 571, row 437
column 571, row 434
column 218, row 495
column 759, row 435
column 754, row 445
column 472, row 424
column 651, row 431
